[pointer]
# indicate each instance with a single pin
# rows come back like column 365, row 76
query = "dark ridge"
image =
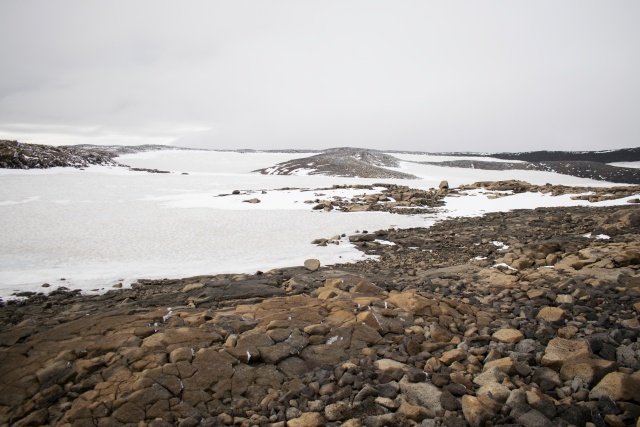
column 591, row 170
column 608, row 156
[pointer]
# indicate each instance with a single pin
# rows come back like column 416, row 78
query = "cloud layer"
column 415, row 75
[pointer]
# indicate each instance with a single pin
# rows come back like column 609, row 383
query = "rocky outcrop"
column 390, row 198
column 512, row 318
column 347, row 162
column 591, row 194
column 582, row 169
column 16, row 155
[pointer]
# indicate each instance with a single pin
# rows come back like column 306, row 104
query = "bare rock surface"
column 16, row 155
column 437, row 332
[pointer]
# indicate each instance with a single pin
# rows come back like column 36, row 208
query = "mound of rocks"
column 510, row 319
column 595, row 194
column 16, row 155
column 347, row 162
column 392, row 198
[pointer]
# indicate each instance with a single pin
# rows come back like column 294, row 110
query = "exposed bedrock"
column 522, row 318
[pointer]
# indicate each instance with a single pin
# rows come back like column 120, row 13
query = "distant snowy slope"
column 205, row 161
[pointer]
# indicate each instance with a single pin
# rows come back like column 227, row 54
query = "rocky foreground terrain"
column 525, row 318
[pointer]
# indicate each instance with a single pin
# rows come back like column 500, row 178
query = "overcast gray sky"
column 415, row 75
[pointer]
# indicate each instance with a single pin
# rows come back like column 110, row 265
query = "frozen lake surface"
column 102, row 226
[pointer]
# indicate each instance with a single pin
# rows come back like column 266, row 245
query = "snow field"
column 101, row 226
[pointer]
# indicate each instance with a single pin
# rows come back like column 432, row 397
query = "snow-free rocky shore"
column 521, row 318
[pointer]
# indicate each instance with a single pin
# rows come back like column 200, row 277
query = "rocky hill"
column 367, row 163
column 526, row 318
column 604, row 156
column 583, row 169
column 16, row 155
column 347, row 162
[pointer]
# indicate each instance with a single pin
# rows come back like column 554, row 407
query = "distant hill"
column 607, row 156
column 344, row 161
column 16, row 155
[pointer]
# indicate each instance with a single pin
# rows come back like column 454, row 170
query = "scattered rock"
column 312, row 264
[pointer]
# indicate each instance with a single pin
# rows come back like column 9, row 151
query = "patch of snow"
column 502, row 264
column 332, row 340
column 435, row 158
column 501, row 246
column 634, row 165
column 385, row 242
column 598, row 237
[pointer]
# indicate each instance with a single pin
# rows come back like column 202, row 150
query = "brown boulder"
column 617, row 386
column 560, row 350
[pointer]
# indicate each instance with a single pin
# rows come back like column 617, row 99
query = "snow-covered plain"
column 103, row 225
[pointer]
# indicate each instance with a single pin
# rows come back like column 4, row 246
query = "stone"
column 337, row 411
column 505, row 364
column 536, row 293
column 449, row 402
column 56, row 373
column 552, row 314
column 308, row 419
column 181, row 354
column 560, row 350
column 589, row 370
column 475, row 413
column 212, row 368
column 546, row 378
column 508, row 335
column 366, row 287
column 312, row 264
column 412, row 303
column 422, row 394
column 534, row 418
column 498, row 392
column 617, row 386
column 413, row 412
column 318, row 329
column 389, row 365
column 274, row 354
column 491, row 375
column 455, row 355
column 129, row 413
